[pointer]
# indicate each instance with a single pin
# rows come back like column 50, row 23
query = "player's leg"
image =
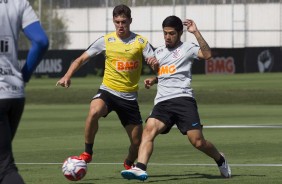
column 196, row 138
column 198, row 141
column 152, row 128
column 134, row 133
column 10, row 113
column 130, row 117
column 189, row 124
column 97, row 109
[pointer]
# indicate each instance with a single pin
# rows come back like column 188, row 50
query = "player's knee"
column 199, row 144
column 149, row 134
column 94, row 114
column 136, row 141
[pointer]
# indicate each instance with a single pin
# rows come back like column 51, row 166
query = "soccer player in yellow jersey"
column 123, row 51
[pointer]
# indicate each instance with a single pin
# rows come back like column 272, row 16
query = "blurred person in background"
column 15, row 16
column 174, row 102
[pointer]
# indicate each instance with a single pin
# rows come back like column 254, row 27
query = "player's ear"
column 130, row 20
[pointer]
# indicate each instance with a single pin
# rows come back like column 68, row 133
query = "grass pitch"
column 52, row 129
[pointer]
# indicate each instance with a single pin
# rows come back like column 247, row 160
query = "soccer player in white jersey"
column 15, row 16
column 123, row 51
column 174, row 102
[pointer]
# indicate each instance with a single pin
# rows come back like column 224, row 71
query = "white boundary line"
column 158, row 164
column 212, row 126
column 240, row 126
column 243, row 126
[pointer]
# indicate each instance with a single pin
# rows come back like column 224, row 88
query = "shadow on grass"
column 177, row 177
column 168, row 177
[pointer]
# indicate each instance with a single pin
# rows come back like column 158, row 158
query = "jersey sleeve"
column 29, row 15
column 96, row 47
column 39, row 45
column 194, row 50
column 148, row 51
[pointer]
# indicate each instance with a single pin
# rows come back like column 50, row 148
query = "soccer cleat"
column 86, row 157
column 224, row 169
column 127, row 166
column 134, row 173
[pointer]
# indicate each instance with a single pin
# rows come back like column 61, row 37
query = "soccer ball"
column 74, row 168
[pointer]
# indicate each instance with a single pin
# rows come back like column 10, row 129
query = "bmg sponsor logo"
column 167, row 69
column 220, row 65
column 127, row 66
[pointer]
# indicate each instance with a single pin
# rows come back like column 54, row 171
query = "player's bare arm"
column 205, row 50
column 65, row 81
column 150, row 82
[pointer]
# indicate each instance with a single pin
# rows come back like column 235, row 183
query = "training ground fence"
column 223, row 23
column 245, row 35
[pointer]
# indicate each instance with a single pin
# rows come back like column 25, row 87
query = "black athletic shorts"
column 182, row 111
column 127, row 110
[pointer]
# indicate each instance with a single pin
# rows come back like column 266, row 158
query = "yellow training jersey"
column 123, row 62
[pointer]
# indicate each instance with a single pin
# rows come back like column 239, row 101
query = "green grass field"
column 52, row 129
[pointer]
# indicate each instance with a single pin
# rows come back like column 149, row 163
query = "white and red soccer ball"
column 74, row 169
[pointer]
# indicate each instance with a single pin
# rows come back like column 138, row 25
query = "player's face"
column 171, row 37
column 122, row 25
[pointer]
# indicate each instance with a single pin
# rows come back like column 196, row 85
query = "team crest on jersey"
column 141, row 40
column 111, row 39
column 176, row 54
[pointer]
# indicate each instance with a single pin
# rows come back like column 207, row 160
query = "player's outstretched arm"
column 205, row 50
column 65, row 81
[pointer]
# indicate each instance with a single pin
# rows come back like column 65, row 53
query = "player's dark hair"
column 173, row 21
column 122, row 10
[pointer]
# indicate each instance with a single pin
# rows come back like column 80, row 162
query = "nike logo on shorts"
column 194, row 124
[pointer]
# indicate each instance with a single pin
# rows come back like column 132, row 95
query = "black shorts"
column 10, row 114
column 127, row 110
column 182, row 111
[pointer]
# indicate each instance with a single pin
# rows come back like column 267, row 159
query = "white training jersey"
column 175, row 75
column 15, row 15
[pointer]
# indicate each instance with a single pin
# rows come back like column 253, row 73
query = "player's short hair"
column 173, row 21
column 122, row 10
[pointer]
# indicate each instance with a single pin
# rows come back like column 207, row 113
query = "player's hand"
column 191, row 26
column 149, row 82
column 64, row 82
column 153, row 62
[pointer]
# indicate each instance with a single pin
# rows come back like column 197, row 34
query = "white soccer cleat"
column 224, row 169
column 134, row 173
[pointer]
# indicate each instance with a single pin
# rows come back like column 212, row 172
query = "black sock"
column 141, row 166
column 88, row 148
column 128, row 162
column 220, row 161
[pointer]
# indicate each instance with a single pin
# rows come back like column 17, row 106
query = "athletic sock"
column 141, row 166
column 89, row 148
column 220, row 161
column 128, row 162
